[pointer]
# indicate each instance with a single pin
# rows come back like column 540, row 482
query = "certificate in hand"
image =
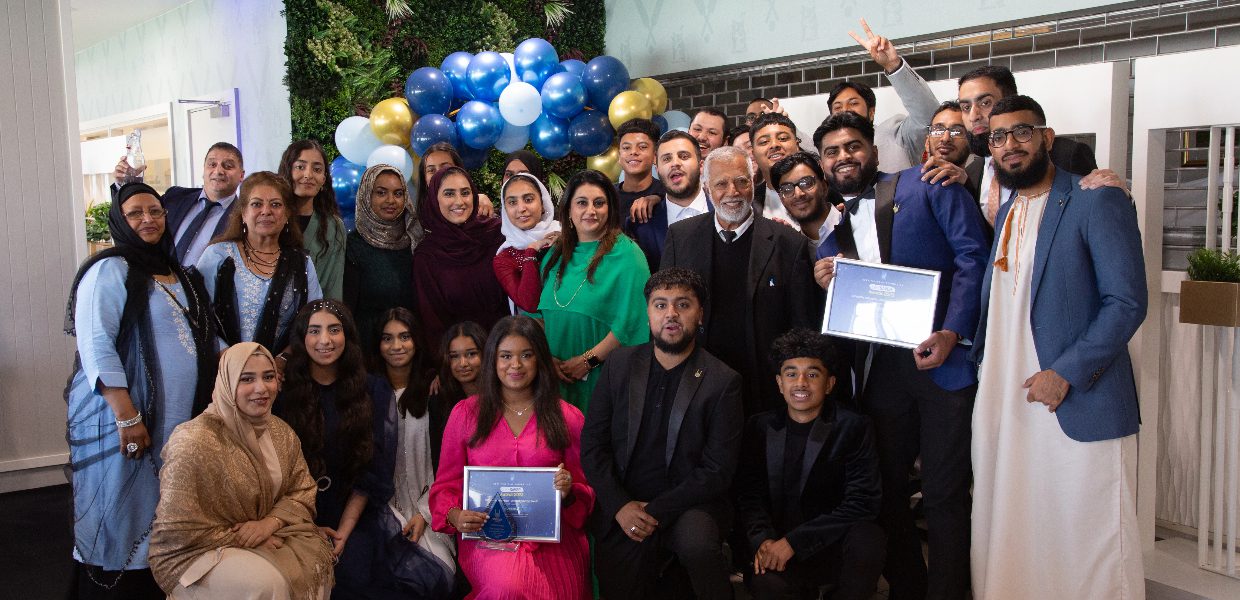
column 881, row 303
column 522, row 503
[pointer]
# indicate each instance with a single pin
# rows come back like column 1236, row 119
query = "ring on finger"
column 131, row 448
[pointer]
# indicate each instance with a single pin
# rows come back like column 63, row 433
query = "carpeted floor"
column 36, row 543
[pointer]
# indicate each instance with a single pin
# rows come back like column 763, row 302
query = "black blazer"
column 1074, row 157
column 783, row 293
column 178, row 201
column 703, row 435
column 839, row 484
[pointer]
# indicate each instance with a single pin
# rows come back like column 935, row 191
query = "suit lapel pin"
column 697, row 373
column 895, row 209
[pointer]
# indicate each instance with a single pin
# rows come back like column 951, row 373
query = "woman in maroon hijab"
column 452, row 268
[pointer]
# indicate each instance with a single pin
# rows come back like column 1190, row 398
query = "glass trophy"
column 497, row 531
column 134, row 156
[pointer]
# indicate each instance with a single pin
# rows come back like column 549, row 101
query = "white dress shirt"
column 677, row 213
column 207, row 232
column 865, row 230
column 744, row 226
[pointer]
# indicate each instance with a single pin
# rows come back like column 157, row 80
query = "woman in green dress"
column 592, row 300
column 378, row 269
column 304, row 165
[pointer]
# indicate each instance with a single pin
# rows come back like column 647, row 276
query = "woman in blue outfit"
column 256, row 272
column 346, row 422
column 145, row 364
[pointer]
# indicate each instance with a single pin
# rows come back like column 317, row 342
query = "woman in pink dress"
column 517, row 420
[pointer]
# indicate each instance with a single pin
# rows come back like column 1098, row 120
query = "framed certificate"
column 521, row 503
column 887, row 304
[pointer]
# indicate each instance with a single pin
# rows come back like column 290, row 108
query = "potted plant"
column 98, row 236
column 1211, row 294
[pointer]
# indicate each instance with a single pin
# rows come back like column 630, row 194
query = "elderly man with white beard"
column 759, row 272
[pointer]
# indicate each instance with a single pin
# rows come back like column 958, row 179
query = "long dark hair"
column 421, row 370
column 562, row 249
column 290, row 236
column 546, row 386
column 301, row 402
column 325, row 201
column 423, row 180
column 450, row 390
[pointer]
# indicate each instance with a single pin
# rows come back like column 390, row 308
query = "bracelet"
column 449, row 520
column 129, row 422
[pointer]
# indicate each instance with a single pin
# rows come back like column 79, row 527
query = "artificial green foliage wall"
column 343, row 56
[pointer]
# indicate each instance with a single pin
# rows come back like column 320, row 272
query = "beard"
column 688, row 188
column 674, row 347
column 978, row 144
column 856, row 184
column 734, row 216
column 1016, row 180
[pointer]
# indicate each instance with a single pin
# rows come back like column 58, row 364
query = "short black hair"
column 946, row 105
column 712, row 111
column 805, row 343
column 1002, row 76
column 790, row 162
column 1017, row 103
column 844, row 120
column 733, row 133
column 678, row 277
column 676, row 134
column 770, row 118
column 862, row 90
column 643, row 126
column 227, row 147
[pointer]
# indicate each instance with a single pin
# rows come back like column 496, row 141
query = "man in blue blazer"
column 921, row 401
column 679, row 164
column 1057, row 405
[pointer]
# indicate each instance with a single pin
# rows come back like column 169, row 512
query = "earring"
column 244, row 230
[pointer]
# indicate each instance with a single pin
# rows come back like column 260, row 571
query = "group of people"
column 295, row 404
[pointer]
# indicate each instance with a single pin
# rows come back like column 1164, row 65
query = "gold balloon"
column 653, row 91
column 628, row 105
column 607, row 163
column 391, row 121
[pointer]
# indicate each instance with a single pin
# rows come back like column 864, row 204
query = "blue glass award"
column 498, row 526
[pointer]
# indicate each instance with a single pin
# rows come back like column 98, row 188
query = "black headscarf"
column 144, row 261
column 533, row 164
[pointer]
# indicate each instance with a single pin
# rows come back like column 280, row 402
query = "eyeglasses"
column 1022, row 133
column 955, row 131
column 807, row 185
column 154, row 213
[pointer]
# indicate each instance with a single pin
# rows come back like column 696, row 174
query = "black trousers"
column 853, row 564
column 693, row 543
column 914, row 417
column 93, row 583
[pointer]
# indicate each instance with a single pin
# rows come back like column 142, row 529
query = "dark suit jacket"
column 651, row 235
column 839, row 484
column 782, row 295
column 1088, row 299
column 937, row 228
column 1074, row 157
column 178, row 201
column 703, row 435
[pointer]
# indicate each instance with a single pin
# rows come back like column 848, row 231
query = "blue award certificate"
column 881, row 303
column 521, row 503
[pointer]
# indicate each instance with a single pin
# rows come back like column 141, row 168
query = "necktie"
column 992, row 196
column 728, row 236
column 191, row 232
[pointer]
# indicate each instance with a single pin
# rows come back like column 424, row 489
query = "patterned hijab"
column 404, row 232
column 520, row 238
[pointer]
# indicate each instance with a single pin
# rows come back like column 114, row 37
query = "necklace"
column 520, row 413
column 264, row 267
column 1036, row 194
column 555, row 293
column 184, row 309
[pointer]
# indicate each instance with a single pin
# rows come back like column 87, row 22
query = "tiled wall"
column 1134, row 30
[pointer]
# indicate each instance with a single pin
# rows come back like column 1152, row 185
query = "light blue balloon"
column 429, row 130
column 590, row 132
column 395, row 156
column 355, row 140
column 574, row 66
column 456, row 68
column 676, row 120
column 549, row 136
column 478, row 124
column 488, row 75
column 604, row 77
column 563, row 95
column 513, row 138
column 536, row 60
column 428, row 91
column 520, row 103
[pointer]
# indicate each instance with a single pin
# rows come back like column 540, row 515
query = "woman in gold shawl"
column 236, row 507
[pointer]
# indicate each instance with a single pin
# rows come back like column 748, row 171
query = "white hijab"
column 520, row 238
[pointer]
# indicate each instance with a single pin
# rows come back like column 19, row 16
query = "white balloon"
column 520, row 103
column 356, row 140
column 512, row 65
column 392, row 155
column 676, row 119
column 513, row 138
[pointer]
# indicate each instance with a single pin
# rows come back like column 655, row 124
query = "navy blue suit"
column 1088, row 299
column 924, row 413
column 651, row 235
column 178, row 201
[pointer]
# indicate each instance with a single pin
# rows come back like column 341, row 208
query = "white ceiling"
column 97, row 20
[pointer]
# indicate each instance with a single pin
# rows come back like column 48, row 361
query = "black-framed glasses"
column 154, row 213
column 807, row 185
column 1022, row 133
column 955, row 131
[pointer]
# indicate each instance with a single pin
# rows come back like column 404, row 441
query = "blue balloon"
column 456, row 68
column 574, row 66
column 514, row 138
column 590, row 133
column 604, row 77
column 473, row 158
column 428, row 91
column 429, row 130
column 479, row 124
column 346, row 177
column 549, row 136
column 661, row 122
column 535, row 60
column 563, row 95
column 488, row 75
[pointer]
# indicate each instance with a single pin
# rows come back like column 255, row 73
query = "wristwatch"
column 592, row 361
